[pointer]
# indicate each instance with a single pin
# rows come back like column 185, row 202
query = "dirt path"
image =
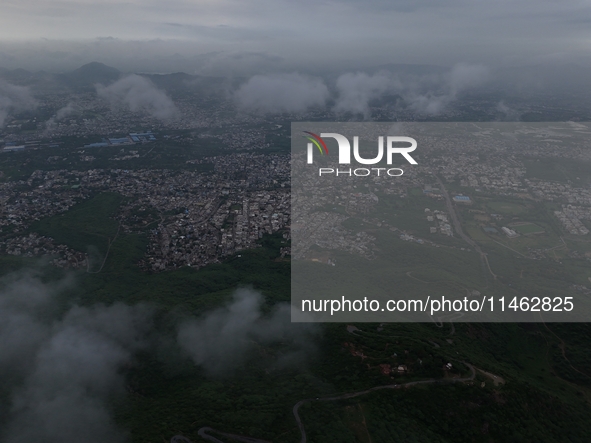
column 563, row 350
column 495, row 378
column 106, row 255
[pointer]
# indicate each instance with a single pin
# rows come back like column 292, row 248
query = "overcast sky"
column 317, row 33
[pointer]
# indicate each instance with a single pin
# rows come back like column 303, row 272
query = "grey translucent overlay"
column 490, row 225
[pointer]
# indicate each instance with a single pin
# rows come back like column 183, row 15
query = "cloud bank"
column 444, row 90
column 62, row 113
column 14, row 99
column 427, row 94
column 356, row 90
column 62, row 370
column 281, row 93
column 138, row 94
column 223, row 339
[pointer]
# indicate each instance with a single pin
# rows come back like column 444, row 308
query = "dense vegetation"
column 546, row 368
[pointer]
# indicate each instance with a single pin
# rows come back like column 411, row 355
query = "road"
column 458, row 226
column 367, row 391
column 204, row 432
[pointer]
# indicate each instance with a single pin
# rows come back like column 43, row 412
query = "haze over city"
column 175, row 252
column 237, row 38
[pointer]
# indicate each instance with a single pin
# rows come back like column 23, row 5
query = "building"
column 97, row 145
column 140, row 137
column 13, row 148
column 462, row 199
column 509, row 232
column 120, row 141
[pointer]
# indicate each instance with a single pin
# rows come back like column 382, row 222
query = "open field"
column 87, row 227
column 506, row 208
column 526, row 228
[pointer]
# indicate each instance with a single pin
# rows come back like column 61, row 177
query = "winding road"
column 204, row 434
column 367, row 391
column 205, row 431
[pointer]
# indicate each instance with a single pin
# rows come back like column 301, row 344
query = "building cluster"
column 34, row 245
column 91, row 117
column 503, row 171
column 442, row 221
column 192, row 218
column 325, row 229
column 243, row 139
column 503, row 174
column 131, row 139
column 571, row 217
column 44, row 194
column 559, row 192
column 196, row 218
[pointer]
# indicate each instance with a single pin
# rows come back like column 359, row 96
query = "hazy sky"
column 318, row 33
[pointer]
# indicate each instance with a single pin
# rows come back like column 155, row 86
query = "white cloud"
column 14, row 99
column 223, row 338
column 356, row 90
column 441, row 92
column 280, row 93
column 138, row 94
column 62, row 371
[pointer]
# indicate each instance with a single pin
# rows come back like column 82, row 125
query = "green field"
column 527, row 228
column 87, row 227
column 506, row 207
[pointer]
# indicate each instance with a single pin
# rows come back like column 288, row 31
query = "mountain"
column 90, row 74
column 179, row 83
column 16, row 76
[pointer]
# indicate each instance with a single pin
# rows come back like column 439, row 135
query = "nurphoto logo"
column 316, row 144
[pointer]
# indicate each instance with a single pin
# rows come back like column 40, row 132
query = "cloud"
column 356, row 90
column 21, row 330
column 66, row 111
column 509, row 114
column 62, row 370
column 233, row 64
column 426, row 94
column 62, row 113
column 443, row 90
column 138, row 94
column 464, row 76
column 279, row 93
column 428, row 103
column 14, row 99
column 223, row 338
